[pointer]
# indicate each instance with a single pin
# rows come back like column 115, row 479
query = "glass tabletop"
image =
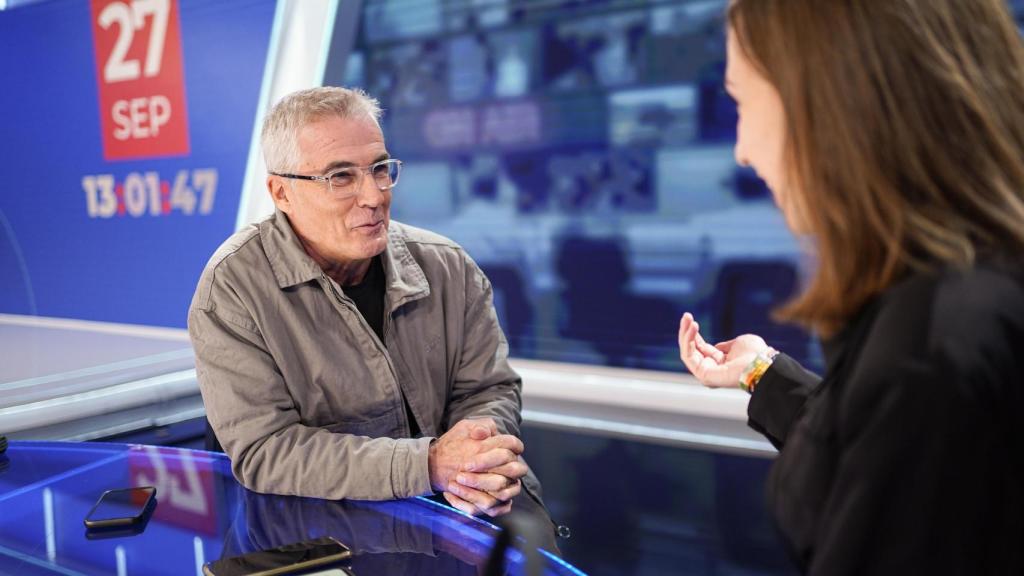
column 203, row 514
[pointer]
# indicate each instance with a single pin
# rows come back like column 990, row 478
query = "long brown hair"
column 905, row 138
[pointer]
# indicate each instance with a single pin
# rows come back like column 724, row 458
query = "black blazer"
column 907, row 458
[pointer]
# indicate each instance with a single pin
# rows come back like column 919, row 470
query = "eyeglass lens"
column 385, row 175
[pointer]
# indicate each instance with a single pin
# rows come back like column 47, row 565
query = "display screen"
column 582, row 153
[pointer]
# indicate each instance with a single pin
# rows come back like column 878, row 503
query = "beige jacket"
column 305, row 398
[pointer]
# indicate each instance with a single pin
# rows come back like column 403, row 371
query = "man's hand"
column 478, row 469
column 475, row 502
column 717, row 366
column 489, row 492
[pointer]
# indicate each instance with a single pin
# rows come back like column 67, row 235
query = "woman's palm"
column 719, row 365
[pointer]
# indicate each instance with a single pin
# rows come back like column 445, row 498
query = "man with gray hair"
column 344, row 355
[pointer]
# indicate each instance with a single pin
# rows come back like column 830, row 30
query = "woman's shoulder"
column 949, row 340
column 978, row 297
column 959, row 321
column 977, row 318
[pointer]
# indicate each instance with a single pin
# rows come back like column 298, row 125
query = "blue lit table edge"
column 104, row 454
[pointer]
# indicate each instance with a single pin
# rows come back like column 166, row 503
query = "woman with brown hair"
column 891, row 133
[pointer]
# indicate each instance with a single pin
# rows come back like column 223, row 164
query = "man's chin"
column 374, row 246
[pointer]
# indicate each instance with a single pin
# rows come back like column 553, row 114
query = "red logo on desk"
column 184, row 485
column 140, row 77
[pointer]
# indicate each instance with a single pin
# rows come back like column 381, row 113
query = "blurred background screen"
column 582, row 153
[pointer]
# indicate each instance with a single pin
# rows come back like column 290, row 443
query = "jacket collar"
column 292, row 266
column 406, row 281
column 287, row 257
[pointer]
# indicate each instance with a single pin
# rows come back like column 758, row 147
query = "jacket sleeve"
column 255, row 419
column 484, row 385
column 778, row 398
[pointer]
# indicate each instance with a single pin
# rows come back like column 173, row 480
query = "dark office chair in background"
column 746, row 292
column 597, row 303
column 512, row 304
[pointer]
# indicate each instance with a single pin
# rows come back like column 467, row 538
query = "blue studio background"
column 56, row 260
column 582, row 153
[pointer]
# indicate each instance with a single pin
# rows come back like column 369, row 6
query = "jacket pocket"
column 378, row 427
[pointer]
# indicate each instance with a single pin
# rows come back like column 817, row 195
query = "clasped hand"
column 478, row 470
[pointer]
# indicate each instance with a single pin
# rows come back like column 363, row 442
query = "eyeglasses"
column 345, row 182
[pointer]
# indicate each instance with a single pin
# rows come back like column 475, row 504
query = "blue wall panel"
column 56, row 260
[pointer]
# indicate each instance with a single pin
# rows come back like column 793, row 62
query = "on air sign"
column 141, row 82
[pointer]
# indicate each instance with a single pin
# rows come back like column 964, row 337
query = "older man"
column 344, row 355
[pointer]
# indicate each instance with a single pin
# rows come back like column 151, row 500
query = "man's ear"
column 279, row 193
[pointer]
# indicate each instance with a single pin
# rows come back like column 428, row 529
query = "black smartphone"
column 286, row 559
column 122, row 508
column 106, row 533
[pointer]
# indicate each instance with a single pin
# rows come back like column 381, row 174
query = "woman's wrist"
column 752, row 374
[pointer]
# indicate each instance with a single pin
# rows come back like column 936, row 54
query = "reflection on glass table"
column 203, row 514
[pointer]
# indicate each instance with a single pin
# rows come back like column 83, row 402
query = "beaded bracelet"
column 752, row 374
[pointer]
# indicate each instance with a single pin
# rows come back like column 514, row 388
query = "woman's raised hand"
column 717, row 366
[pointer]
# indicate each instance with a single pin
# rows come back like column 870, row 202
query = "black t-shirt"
column 369, row 298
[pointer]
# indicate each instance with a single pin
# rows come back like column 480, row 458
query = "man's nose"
column 369, row 194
